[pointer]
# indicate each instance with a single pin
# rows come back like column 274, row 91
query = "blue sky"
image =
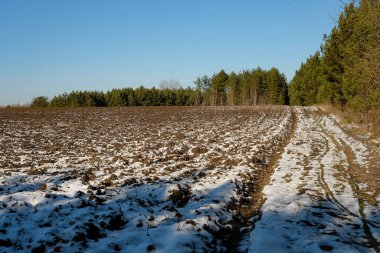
column 49, row 47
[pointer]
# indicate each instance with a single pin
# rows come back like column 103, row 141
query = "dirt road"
column 311, row 202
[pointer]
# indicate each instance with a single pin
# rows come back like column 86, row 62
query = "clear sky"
column 48, row 47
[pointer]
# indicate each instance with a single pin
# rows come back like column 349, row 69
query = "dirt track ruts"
column 312, row 204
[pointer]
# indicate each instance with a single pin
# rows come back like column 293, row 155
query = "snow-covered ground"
column 311, row 204
column 182, row 180
column 131, row 179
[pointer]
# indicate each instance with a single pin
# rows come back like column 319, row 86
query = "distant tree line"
column 119, row 97
column 346, row 72
column 255, row 87
column 249, row 87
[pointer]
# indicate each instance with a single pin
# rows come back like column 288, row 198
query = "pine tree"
column 232, row 89
column 218, row 88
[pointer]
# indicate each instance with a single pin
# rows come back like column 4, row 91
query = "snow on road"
column 311, row 205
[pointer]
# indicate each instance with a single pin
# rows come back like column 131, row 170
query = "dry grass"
column 365, row 122
column 374, row 120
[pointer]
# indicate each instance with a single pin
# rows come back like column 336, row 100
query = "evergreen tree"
column 276, row 87
column 347, row 71
column 305, row 88
column 218, row 88
column 232, row 89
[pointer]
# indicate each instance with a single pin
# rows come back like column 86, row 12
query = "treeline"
column 249, row 87
column 120, row 97
column 346, row 72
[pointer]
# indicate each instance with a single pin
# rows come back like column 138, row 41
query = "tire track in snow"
column 329, row 193
column 310, row 204
column 349, row 153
